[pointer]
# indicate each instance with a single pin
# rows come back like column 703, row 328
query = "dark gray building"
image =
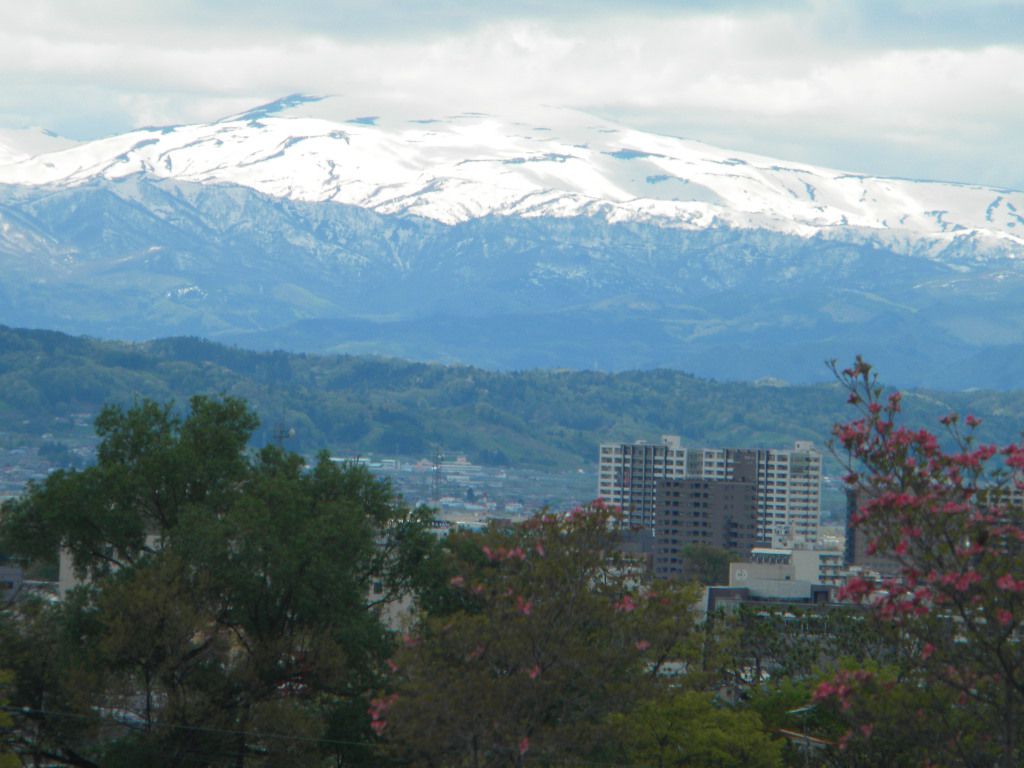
column 716, row 513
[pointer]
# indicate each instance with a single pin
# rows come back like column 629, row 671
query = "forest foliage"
column 393, row 407
column 233, row 613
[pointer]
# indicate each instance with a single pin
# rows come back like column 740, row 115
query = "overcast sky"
column 931, row 89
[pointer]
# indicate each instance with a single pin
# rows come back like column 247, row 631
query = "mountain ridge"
column 470, row 166
column 125, row 252
column 355, row 404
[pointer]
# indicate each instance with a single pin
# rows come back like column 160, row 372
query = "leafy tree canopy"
column 540, row 635
column 952, row 524
column 228, row 610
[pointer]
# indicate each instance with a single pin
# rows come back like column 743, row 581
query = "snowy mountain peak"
column 559, row 164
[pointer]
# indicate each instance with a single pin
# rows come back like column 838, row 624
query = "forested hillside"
column 368, row 404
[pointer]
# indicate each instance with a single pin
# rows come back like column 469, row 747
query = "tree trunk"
column 1009, row 725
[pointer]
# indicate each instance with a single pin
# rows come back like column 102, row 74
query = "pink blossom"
column 457, row 581
column 824, row 690
column 392, row 665
column 970, row 551
column 1007, row 583
column 378, row 709
column 1004, row 617
column 966, row 580
column 642, row 645
column 1014, row 456
column 534, row 671
column 625, row 605
column 488, row 553
column 927, row 651
column 856, row 588
column 844, row 740
column 524, row 606
column 539, row 548
column 524, row 745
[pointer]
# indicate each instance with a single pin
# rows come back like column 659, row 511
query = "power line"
column 278, row 736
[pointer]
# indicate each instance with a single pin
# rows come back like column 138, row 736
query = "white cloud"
column 805, row 77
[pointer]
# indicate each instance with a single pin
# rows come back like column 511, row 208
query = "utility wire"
column 271, row 735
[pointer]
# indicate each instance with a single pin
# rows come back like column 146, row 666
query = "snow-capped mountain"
column 553, row 240
column 560, row 164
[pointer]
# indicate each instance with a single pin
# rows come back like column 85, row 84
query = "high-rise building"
column 628, row 475
column 695, row 511
column 787, row 482
column 858, row 554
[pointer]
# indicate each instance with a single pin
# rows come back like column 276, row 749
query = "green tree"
column 8, row 757
column 229, row 613
column 151, row 466
column 952, row 520
column 686, row 730
column 543, row 635
column 706, row 564
column 764, row 645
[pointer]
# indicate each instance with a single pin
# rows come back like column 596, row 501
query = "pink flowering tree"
column 947, row 510
column 547, row 633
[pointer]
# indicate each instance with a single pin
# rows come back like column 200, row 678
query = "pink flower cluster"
column 1008, row 583
column 625, row 605
column 378, row 710
column 841, row 686
column 502, row 553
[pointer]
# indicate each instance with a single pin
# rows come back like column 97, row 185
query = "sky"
column 931, row 89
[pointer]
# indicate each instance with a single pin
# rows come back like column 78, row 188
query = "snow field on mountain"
column 467, row 167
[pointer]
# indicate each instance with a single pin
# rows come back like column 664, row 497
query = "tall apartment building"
column 628, row 475
column 787, row 482
column 716, row 513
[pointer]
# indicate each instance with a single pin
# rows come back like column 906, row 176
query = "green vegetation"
column 367, row 404
column 687, row 729
column 705, row 564
column 230, row 607
column 952, row 522
column 543, row 638
column 232, row 615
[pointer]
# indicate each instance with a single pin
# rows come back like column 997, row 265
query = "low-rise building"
column 772, row 578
